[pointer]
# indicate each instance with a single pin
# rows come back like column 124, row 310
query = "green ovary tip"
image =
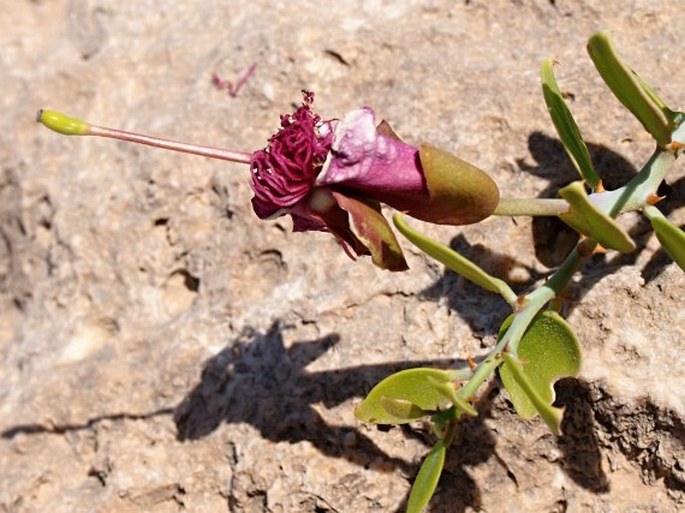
column 63, row 124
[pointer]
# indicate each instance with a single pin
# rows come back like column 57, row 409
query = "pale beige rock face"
column 163, row 349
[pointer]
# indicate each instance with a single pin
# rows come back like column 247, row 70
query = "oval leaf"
column 566, row 126
column 587, row 219
column 671, row 237
column 386, row 403
column 401, row 409
column 427, row 479
column 630, row 90
column 454, row 261
column 547, row 352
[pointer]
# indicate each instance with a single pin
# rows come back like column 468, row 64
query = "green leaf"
column 671, row 237
column 387, row 401
column 401, row 409
column 427, row 479
column 673, row 116
column 566, row 126
column 631, row 90
column 586, row 218
column 548, row 351
column 454, row 261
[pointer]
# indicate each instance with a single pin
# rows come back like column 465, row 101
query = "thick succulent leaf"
column 631, row 90
column 374, row 232
column 548, row 351
column 566, row 126
column 401, row 409
column 459, row 192
column 454, row 261
column 427, row 479
column 674, row 116
column 387, row 401
column 587, row 219
column 671, row 237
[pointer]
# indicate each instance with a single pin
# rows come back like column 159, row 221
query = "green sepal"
column 427, row 479
column 671, row 237
column 373, row 231
column 458, row 192
column 566, row 126
column 631, row 90
column 587, row 219
column 454, row 261
column 386, row 403
column 547, row 352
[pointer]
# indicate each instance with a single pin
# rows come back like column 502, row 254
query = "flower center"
column 285, row 171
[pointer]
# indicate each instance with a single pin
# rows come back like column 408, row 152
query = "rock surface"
column 164, row 350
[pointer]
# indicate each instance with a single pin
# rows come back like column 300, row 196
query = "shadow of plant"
column 554, row 239
column 481, row 309
column 582, row 456
column 260, row 382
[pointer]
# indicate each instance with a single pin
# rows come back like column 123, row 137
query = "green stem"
column 531, row 207
column 532, row 304
column 632, row 196
column 635, row 194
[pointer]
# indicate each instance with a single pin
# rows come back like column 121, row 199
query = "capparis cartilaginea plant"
column 334, row 175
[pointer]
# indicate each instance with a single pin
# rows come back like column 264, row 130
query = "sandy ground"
column 164, row 350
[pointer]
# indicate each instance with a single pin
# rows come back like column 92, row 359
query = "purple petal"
column 375, row 164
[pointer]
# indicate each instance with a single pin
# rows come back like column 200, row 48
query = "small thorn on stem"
column 676, row 146
column 472, row 363
column 521, row 302
column 586, row 247
column 653, row 199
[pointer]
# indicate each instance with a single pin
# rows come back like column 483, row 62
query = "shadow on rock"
column 473, row 445
column 481, row 309
column 554, row 239
column 258, row 381
column 582, row 457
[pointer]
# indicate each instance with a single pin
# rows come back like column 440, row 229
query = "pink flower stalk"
column 333, row 175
